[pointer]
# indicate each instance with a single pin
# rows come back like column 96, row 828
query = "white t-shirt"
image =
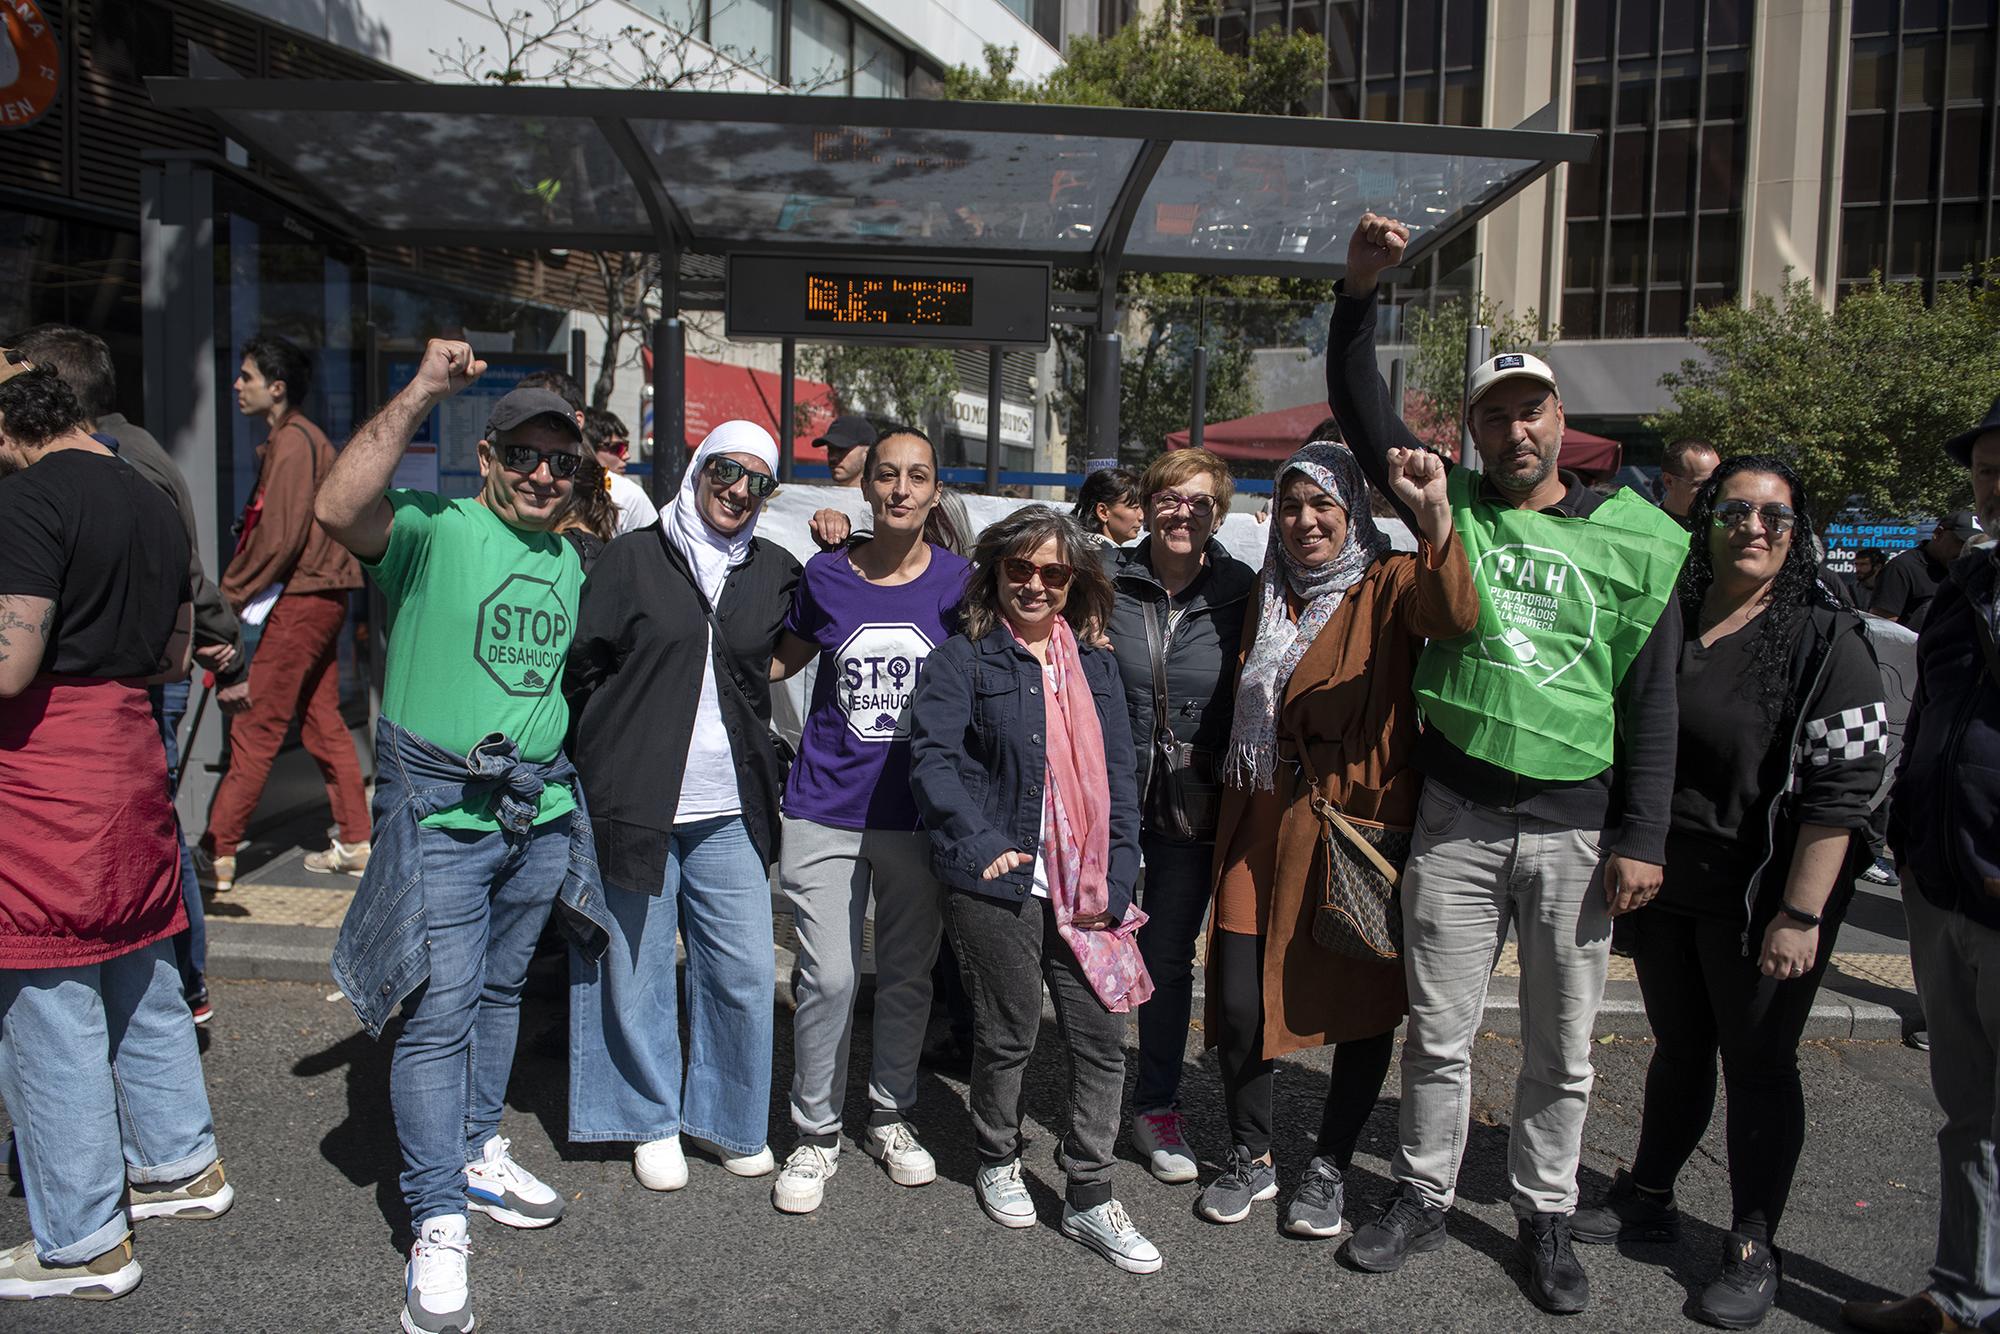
column 635, row 509
column 708, row 784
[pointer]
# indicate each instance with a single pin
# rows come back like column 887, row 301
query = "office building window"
column 1654, row 230
column 1917, row 186
column 829, row 50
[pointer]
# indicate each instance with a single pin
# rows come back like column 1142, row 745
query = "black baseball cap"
column 521, row 406
column 845, row 433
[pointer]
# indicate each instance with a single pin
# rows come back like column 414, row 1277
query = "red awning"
column 718, row 392
column 1275, row 436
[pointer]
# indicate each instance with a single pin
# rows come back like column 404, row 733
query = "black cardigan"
column 634, row 679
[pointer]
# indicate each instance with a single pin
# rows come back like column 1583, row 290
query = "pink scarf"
column 1078, row 849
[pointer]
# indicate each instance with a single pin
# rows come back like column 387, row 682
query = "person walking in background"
column 1783, row 734
column 1904, row 590
column 481, row 822
column 671, row 670
column 1018, row 761
column 1324, row 713
column 1684, row 467
column 82, row 361
column 870, row 613
column 846, row 443
column 1110, row 506
column 1544, row 810
column 292, row 579
column 1174, row 630
column 99, row 1067
column 1941, row 826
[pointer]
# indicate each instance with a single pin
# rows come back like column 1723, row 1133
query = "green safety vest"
column 1564, row 607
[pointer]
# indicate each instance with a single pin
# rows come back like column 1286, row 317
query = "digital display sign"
column 882, row 299
column 872, row 298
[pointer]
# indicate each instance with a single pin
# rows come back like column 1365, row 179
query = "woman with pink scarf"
column 1021, row 764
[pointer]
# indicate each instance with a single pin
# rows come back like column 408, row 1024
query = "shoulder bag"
column 1360, row 902
column 1185, row 795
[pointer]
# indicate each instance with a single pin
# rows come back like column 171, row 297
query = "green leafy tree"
column 1434, row 373
column 912, row 384
column 1857, row 399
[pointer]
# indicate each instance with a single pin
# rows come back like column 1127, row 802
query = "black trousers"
column 1704, row 998
column 1359, row 1067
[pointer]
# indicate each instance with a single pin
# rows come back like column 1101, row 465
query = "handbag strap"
column 1330, row 813
column 1156, row 649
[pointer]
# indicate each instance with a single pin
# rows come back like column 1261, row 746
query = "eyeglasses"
column 726, row 472
column 1055, row 575
column 525, row 459
column 1733, row 514
column 1173, row 502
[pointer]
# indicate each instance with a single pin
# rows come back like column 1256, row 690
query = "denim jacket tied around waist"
column 383, row 953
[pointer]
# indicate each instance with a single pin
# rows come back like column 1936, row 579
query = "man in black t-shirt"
column 94, row 607
column 1909, row 581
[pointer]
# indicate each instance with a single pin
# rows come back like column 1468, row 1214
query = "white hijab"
column 708, row 553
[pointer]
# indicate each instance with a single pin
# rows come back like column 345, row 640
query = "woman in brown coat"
column 1328, row 658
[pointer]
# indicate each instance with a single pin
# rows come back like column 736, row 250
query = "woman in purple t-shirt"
column 870, row 613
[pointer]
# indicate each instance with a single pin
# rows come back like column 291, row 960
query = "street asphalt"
column 315, row 1239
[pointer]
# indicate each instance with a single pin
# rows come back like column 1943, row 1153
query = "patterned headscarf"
column 1280, row 641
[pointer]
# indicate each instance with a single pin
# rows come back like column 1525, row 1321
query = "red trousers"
column 293, row 674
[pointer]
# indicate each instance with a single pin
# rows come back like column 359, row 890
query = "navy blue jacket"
column 1946, row 803
column 978, row 762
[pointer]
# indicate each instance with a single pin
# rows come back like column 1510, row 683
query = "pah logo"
column 878, row 668
column 523, row 636
column 1546, row 609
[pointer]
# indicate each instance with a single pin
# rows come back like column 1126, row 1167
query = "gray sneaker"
column 1316, row 1206
column 1107, row 1229
column 1004, row 1195
column 1228, row 1198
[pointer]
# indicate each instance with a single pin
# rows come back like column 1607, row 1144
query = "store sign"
column 1017, row 422
column 30, row 64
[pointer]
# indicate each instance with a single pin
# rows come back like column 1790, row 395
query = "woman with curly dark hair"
column 591, row 520
column 1781, row 749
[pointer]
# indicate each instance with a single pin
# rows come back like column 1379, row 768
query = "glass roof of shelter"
column 711, row 173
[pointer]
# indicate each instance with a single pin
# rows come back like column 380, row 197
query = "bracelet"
column 1799, row 915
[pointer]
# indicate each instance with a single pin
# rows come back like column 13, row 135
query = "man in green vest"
column 1548, row 751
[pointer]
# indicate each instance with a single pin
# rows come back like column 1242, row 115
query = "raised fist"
column 1417, row 476
column 1377, row 244
column 448, row 367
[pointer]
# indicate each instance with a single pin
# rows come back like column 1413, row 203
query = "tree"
column 914, row 385
column 1857, row 399
column 1434, row 374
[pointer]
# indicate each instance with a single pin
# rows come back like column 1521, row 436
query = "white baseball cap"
column 1508, row 366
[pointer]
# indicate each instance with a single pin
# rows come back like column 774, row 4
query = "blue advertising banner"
column 444, row 454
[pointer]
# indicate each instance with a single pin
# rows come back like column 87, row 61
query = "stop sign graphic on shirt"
column 877, row 672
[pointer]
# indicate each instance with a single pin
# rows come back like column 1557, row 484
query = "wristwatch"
column 1799, row 915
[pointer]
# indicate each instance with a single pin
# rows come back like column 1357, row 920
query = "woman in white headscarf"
column 670, row 682
column 1324, row 711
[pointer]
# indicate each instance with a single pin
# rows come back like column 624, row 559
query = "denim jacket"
column 978, row 763
column 383, row 953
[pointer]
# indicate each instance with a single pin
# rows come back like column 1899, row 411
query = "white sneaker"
column 660, row 1165
column 1158, row 1135
column 758, row 1164
column 802, row 1185
column 1004, row 1195
column 1107, row 1229
column 507, row 1192
column 437, row 1295
column 895, row 1147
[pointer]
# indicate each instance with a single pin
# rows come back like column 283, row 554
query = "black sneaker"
column 1556, row 1282
column 1742, row 1294
column 1315, row 1207
column 1407, row 1227
column 1228, row 1198
column 1627, row 1214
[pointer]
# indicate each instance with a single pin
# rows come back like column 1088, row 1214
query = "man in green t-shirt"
column 482, row 607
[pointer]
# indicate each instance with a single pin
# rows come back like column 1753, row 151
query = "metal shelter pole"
column 1198, row 407
column 788, row 360
column 1477, row 338
column 670, row 450
column 579, row 360
column 992, row 421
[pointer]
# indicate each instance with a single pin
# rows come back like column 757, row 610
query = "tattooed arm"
column 24, row 638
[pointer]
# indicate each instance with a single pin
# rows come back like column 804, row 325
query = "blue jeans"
column 625, row 1082
column 170, row 702
column 487, row 897
column 1180, row 881
column 1957, row 965
column 101, row 1075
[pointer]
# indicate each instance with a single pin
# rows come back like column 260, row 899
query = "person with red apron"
column 99, row 1067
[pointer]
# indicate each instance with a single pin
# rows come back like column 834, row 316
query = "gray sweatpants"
column 1472, row 870
column 826, row 874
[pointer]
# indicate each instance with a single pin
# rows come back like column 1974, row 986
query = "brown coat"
column 286, row 546
column 1350, row 701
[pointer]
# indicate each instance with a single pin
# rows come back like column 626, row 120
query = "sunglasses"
column 1173, row 502
column 1055, row 575
column 525, row 459
column 1733, row 514
column 618, row 447
column 725, row 473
